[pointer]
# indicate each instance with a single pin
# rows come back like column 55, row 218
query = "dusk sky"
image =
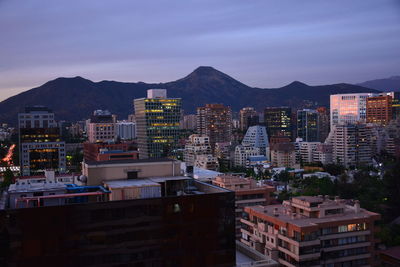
column 261, row 43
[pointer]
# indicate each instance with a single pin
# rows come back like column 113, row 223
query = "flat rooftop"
column 153, row 181
column 126, row 161
column 281, row 211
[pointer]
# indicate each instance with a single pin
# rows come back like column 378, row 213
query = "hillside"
column 76, row 98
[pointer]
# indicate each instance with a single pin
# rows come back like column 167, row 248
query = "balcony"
column 247, row 222
column 349, row 258
column 347, row 246
column 297, row 243
column 345, row 234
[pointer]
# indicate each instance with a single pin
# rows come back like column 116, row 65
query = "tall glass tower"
column 158, row 122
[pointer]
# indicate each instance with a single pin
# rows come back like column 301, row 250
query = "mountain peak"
column 297, row 83
column 205, row 70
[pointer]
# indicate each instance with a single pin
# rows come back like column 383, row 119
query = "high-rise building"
column 278, row 121
column 40, row 144
column 351, row 144
column 256, row 136
column 248, row 117
column 323, row 123
column 126, row 130
column 379, row 109
column 215, row 121
column 157, row 124
column 312, row 231
column 307, row 125
column 101, row 127
column 349, row 108
column 189, row 122
column 395, row 104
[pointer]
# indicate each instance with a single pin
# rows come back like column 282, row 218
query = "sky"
column 261, row 43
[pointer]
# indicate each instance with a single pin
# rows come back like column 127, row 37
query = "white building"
column 307, row 150
column 101, row 127
column 208, row 162
column 351, row 144
column 126, row 130
column 196, row 145
column 256, row 136
column 242, row 153
column 349, row 108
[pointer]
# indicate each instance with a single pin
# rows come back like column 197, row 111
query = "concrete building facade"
column 312, row 231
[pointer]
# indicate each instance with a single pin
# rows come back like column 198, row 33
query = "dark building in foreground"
column 186, row 226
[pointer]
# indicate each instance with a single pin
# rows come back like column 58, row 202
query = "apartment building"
column 312, row 231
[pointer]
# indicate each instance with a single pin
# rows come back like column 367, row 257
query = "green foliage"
column 390, row 235
column 317, row 186
column 334, row 169
column 8, row 178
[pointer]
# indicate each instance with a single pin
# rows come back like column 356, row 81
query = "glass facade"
column 158, row 123
column 307, row 125
column 192, row 230
column 278, row 121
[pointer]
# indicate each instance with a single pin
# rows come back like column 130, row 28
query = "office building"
column 256, row 136
column 323, row 123
column 283, row 155
column 126, row 130
column 278, row 121
column 151, row 221
column 395, row 104
column 215, row 121
column 157, row 124
column 101, row 127
column 247, row 193
column 307, row 125
column 312, row 231
column 349, row 108
column 40, row 144
column 379, row 109
column 247, row 117
column 351, row 144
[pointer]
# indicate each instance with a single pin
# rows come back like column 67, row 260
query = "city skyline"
column 261, row 44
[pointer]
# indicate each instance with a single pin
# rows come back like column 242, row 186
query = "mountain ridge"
column 76, row 98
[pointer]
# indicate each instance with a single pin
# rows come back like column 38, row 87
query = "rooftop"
column 284, row 212
column 127, row 161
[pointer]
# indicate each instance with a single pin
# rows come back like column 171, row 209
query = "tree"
column 334, row 169
column 8, row 178
column 285, row 177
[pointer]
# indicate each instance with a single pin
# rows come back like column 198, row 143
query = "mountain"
column 386, row 85
column 76, row 98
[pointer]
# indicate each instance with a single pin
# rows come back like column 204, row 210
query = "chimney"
column 357, row 206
